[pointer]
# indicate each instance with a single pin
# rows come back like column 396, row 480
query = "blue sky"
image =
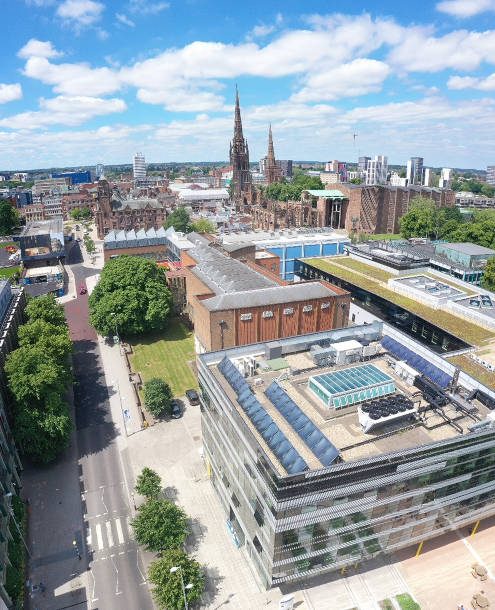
column 86, row 81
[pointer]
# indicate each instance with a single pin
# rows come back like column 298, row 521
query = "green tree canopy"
column 168, row 592
column 9, row 217
column 355, row 181
column 47, row 309
column 76, row 214
column 149, row 483
column 179, row 219
column 420, row 220
column 135, row 290
column 489, row 276
column 203, row 225
column 283, row 191
column 160, row 524
column 85, row 212
column 54, row 340
column 157, row 396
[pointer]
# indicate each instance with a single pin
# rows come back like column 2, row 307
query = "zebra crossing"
column 109, row 533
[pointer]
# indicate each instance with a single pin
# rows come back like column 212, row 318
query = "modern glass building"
column 306, row 490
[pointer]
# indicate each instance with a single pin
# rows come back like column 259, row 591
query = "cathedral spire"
column 272, row 171
column 271, row 151
column 237, row 120
column 239, row 159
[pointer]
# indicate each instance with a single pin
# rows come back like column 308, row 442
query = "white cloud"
column 124, row 19
column 147, row 8
column 465, row 8
column 182, row 100
column 10, row 93
column 459, row 50
column 261, row 30
column 80, row 12
column 472, row 82
column 63, row 110
column 358, row 77
column 38, row 48
column 73, row 79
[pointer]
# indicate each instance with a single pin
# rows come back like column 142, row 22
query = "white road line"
column 109, row 534
column 99, row 537
column 88, row 538
column 129, row 527
column 120, row 533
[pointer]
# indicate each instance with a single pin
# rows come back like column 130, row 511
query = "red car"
column 83, row 290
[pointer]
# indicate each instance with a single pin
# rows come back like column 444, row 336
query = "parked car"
column 175, row 410
column 83, row 290
column 192, row 397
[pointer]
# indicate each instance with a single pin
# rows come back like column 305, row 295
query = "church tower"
column 273, row 172
column 239, row 159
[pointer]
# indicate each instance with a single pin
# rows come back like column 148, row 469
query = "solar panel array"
column 324, row 450
column 417, row 362
column 264, row 424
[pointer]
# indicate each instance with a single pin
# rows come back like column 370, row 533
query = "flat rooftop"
column 479, row 302
column 466, row 248
column 430, row 286
column 42, row 227
column 283, row 236
column 341, row 427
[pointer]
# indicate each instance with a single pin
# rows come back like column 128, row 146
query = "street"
column 116, row 575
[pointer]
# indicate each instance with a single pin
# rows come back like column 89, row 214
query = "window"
column 235, row 501
column 307, row 308
column 246, row 316
column 288, row 311
column 268, row 314
column 257, row 545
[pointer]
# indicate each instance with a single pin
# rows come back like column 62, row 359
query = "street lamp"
column 11, row 511
column 115, row 318
column 189, row 586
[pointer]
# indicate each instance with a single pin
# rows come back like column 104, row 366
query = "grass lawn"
column 469, row 332
column 166, row 355
column 369, row 270
column 8, row 272
column 384, row 236
column 476, row 370
column 406, row 602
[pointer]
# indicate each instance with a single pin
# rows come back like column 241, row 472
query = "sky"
column 88, row 81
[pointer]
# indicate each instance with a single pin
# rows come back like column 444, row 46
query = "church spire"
column 273, row 173
column 271, row 151
column 237, row 120
column 239, row 159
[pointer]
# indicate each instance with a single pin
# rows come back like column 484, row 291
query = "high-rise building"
column 446, row 178
column 239, row 159
column 414, row 170
column 285, row 167
column 332, row 166
column 376, row 170
column 428, row 177
column 490, row 175
column 139, row 166
column 262, row 164
column 100, row 171
column 273, row 173
column 363, row 164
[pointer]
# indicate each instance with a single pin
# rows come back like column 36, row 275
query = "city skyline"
column 87, row 81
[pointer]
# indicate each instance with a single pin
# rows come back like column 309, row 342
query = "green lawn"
column 476, row 370
column 384, row 236
column 369, row 270
column 469, row 332
column 166, row 355
column 406, row 602
column 8, row 272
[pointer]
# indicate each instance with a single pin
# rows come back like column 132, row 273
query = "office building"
column 47, row 185
column 414, row 171
column 329, row 178
column 262, row 164
column 467, row 254
column 81, row 177
column 396, row 180
column 446, row 178
column 428, row 177
column 285, row 167
column 338, row 447
column 363, row 164
column 376, row 170
column 100, row 171
column 490, row 175
column 139, row 167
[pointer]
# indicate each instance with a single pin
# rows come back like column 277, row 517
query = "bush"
column 406, row 602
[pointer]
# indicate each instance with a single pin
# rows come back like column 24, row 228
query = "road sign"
column 127, row 415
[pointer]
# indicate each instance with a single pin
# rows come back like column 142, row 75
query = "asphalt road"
column 116, row 575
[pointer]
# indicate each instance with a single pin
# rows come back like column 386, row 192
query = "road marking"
column 120, row 533
column 99, row 537
column 88, row 538
column 109, row 533
column 129, row 527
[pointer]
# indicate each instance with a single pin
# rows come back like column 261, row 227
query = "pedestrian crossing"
column 109, row 533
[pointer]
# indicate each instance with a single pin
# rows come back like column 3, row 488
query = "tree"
column 203, row 226
column 76, row 214
column 160, row 524
column 9, row 218
column 489, row 275
column 355, row 181
column 168, row 591
column 420, row 220
column 179, row 219
column 86, row 213
column 54, row 340
column 135, row 290
column 157, row 396
column 149, row 483
column 47, row 309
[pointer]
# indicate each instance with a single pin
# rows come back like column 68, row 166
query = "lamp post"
column 11, row 511
column 115, row 318
column 189, row 586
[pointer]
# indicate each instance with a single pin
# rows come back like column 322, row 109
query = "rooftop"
column 283, row 236
column 284, row 396
column 467, row 248
column 325, row 193
column 202, row 194
column 226, row 275
column 42, row 227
